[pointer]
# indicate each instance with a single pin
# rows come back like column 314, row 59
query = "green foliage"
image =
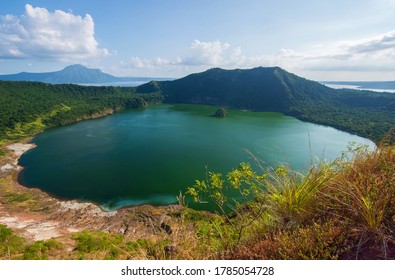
column 139, row 245
column 242, row 182
column 93, row 242
column 192, row 215
column 293, row 196
column 29, row 107
column 281, row 196
column 339, row 209
column 40, row 250
column 368, row 114
column 17, row 197
column 319, row 241
column 216, row 235
column 343, row 209
column 11, row 245
column 364, row 192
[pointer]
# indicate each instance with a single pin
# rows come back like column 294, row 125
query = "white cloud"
column 365, row 55
column 41, row 34
column 375, row 56
column 200, row 53
column 206, row 53
column 155, row 63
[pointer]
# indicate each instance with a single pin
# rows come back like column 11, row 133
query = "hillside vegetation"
column 368, row 114
column 343, row 209
column 29, row 107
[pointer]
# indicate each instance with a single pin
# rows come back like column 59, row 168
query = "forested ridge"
column 366, row 113
column 29, row 107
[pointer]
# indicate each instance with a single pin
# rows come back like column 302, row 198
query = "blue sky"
column 320, row 40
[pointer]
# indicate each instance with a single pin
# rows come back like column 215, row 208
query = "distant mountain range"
column 73, row 74
column 79, row 74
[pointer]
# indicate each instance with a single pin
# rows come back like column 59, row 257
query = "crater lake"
column 148, row 156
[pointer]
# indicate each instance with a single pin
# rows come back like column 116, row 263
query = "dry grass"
column 363, row 196
column 339, row 210
column 293, row 197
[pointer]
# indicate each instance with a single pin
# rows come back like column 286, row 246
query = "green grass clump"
column 17, row 197
column 319, row 241
column 40, row 250
column 363, row 196
column 93, row 244
column 292, row 197
column 342, row 209
column 11, row 245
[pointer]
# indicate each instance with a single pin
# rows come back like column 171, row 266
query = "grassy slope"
column 339, row 210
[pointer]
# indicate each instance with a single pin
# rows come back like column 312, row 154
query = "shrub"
column 363, row 195
column 40, row 250
column 17, row 197
column 319, row 241
column 11, row 245
column 96, row 243
column 292, row 196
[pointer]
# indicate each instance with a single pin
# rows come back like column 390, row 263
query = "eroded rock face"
column 139, row 221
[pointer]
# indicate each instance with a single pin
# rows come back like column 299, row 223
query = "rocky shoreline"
column 36, row 215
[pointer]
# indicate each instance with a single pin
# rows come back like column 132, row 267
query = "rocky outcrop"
column 220, row 113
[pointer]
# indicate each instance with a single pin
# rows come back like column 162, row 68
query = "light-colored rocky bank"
column 10, row 162
column 36, row 215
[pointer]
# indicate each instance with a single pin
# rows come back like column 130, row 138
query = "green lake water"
column 148, row 156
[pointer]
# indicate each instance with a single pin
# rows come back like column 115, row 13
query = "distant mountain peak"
column 76, row 66
column 76, row 73
column 260, row 88
column 79, row 67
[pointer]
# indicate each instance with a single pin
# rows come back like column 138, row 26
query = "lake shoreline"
column 111, row 163
column 61, row 217
column 36, row 215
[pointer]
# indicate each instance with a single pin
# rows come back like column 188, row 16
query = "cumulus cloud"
column 206, row 53
column 200, row 53
column 156, row 63
column 41, row 34
column 371, row 55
